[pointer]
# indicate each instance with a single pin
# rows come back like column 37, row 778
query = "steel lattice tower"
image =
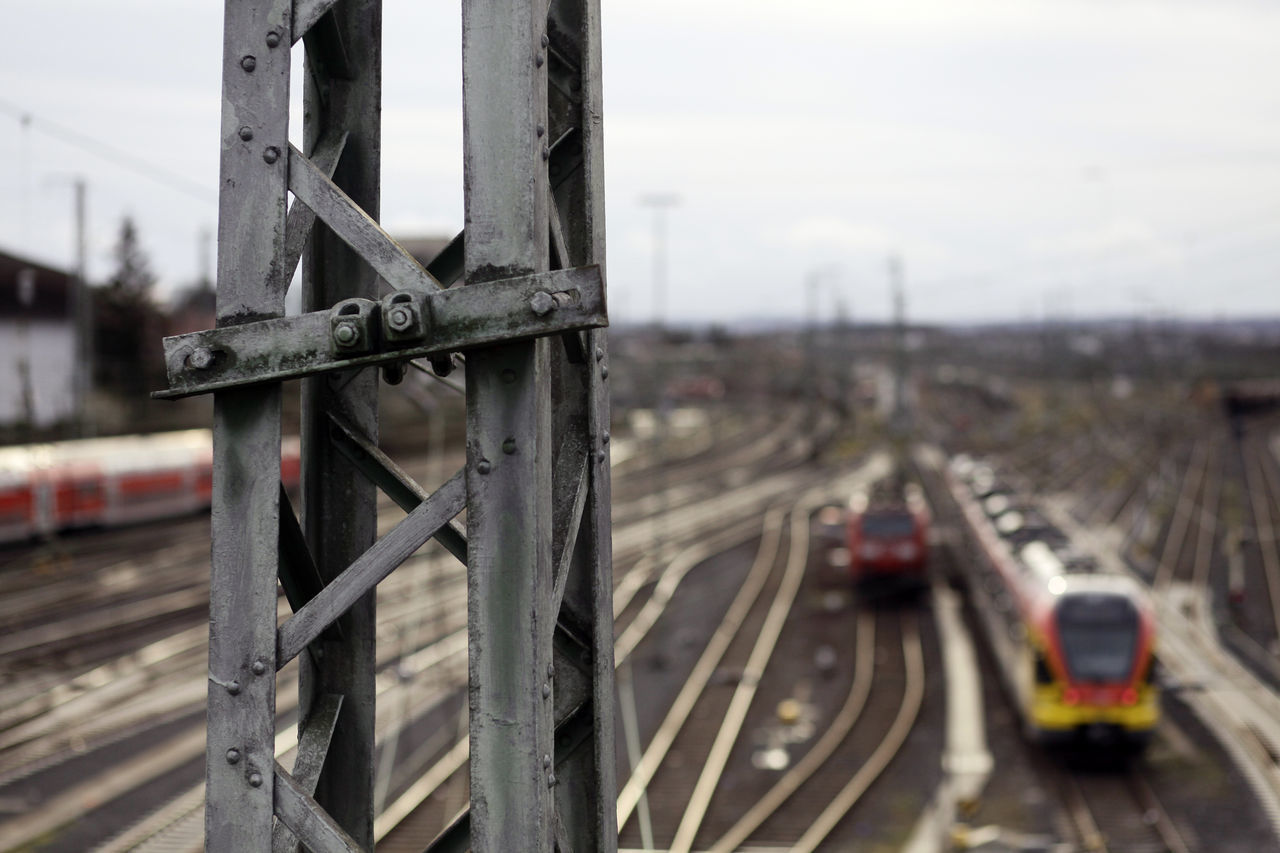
column 520, row 293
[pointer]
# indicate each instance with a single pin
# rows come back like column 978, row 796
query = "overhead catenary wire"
column 108, row 152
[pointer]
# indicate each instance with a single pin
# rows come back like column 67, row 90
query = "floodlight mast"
column 536, row 481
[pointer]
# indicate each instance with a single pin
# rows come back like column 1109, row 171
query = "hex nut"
column 542, row 303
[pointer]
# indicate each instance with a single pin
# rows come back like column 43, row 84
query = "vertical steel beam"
column 251, row 219
column 509, row 575
column 585, row 799
column 343, row 96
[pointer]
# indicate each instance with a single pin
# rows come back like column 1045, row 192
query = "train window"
column 1099, row 635
column 887, row 525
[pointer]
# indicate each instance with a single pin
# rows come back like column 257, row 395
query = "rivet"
column 271, row 155
column 546, row 153
column 599, row 353
column 546, row 762
column 246, row 133
column 273, row 38
column 508, row 376
column 201, row 358
column 600, row 456
column 542, row 303
column 546, row 691
column 551, row 670
column 233, row 755
column 605, row 437
column 537, row 60
column 509, row 446
column 604, row 372
column 545, row 40
column 233, row 688
column 483, row 466
column 249, row 63
column 541, row 130
column 255, row 780
column 258, row 667
column 551, row 780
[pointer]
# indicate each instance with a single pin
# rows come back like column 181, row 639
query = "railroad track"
column 421, row 671
column 1117, row 810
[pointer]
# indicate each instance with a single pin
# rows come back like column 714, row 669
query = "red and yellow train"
column 1075, row 646
column 106, row 482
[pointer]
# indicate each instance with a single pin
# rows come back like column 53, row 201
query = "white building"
column 37, row 344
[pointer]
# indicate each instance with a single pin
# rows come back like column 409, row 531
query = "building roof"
column 31, row 290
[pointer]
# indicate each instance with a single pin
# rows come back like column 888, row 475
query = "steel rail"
column 1091, row 836
column 1265, row 529
column 766, row 554
column 1207, row 518
column 745, row 690
column 912, row 699
column 818, row 754
column 1152, row 807
column 1167, row 565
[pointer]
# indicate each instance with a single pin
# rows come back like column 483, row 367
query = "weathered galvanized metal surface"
column 369, row 568
column 538, row 538
column 293, row 347
column 343, row 97
column 240, row 757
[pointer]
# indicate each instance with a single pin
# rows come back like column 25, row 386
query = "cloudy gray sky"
column 1075, row 157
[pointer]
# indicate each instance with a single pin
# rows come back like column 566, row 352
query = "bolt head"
column 605, row 438
column 346, row 334
column 599, row 353
column 271, row 155
column 483, row 466
column 246, row 133
column 201, row 358
column 542, row 303
column 234, row 688
column 249, row 63
column 255, row 780
column 259, row 667
column 509, row 446
column 400, row 319
column 546, row 153
column 551, row 780
column 273, row 39
column 546, row 691
column 546, row 762
column 604, row 372
column 545, row 40
column 233, row 755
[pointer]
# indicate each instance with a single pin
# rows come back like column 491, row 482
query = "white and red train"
column 1075, row 646
column 106, row 482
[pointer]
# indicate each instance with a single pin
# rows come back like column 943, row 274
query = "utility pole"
column 526, row 303
column 82, row 300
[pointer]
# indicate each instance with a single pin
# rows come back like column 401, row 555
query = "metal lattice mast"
column 536, row 481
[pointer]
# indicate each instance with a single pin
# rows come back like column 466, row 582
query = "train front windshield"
column 887, row 525
column 1099, row 637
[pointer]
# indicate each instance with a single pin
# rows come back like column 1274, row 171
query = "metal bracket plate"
column 460, row 318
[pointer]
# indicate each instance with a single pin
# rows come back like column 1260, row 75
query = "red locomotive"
column 888, row 537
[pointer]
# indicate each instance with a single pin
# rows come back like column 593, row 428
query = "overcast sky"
column 1071, row 157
